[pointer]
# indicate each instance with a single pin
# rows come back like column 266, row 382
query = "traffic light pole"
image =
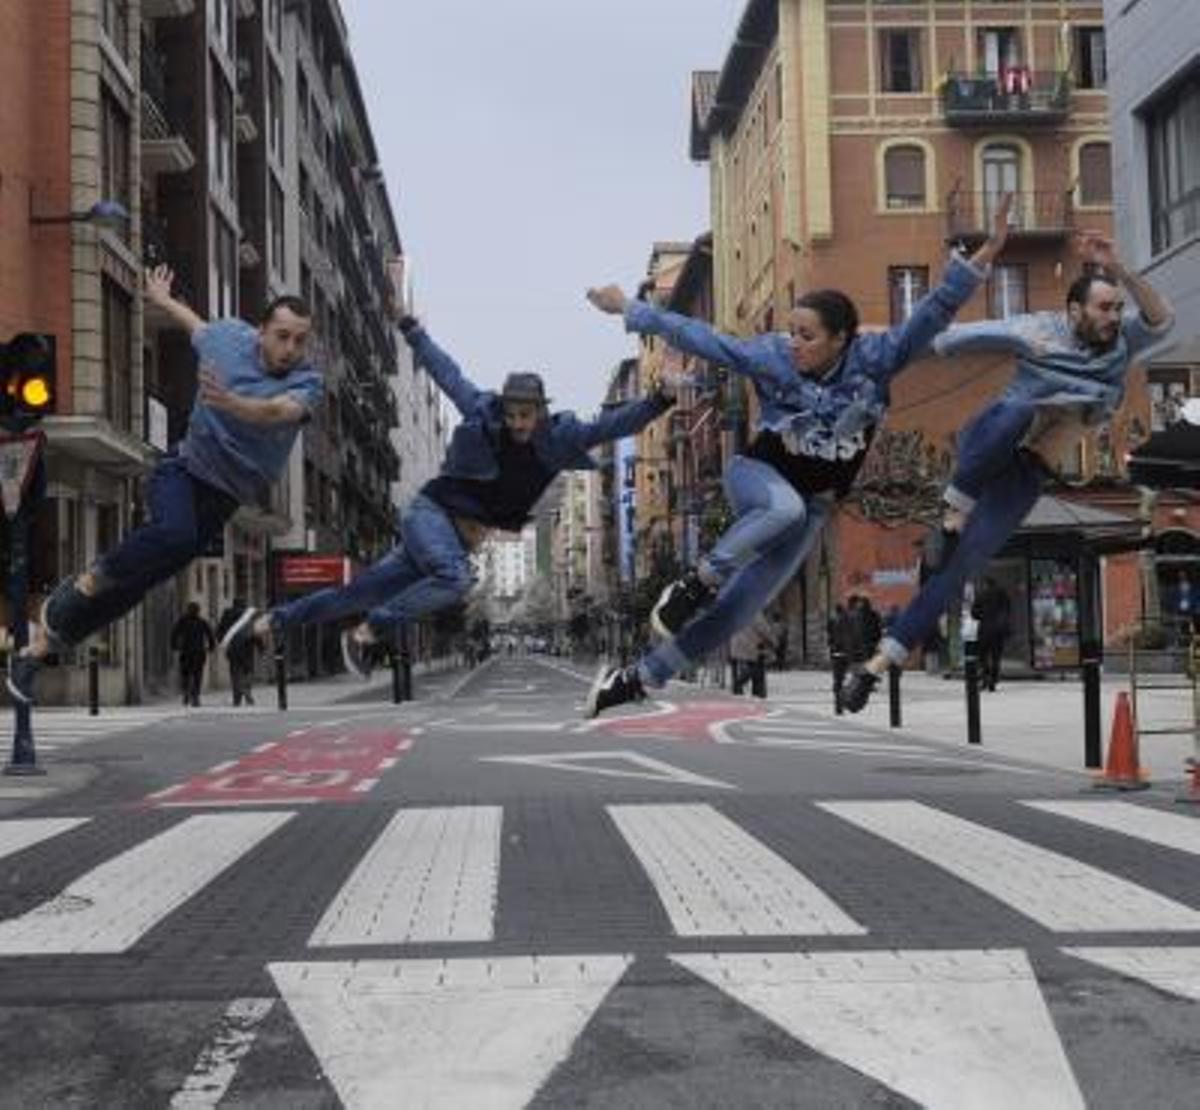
column 24, row 754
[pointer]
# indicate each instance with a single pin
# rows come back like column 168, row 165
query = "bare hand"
column 214, row 392
column 608, row 298
column 1097, row 249
column 158, row 284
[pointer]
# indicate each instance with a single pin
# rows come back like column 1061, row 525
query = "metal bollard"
column 406, row 684
column 394, row 662
column 93, row 681
column 894, row 695
column 840, row 666
column 1091, row 658
column 971, row 675
column 281, row 676
column 758, row 676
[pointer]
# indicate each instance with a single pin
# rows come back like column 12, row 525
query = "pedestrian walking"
column 192, row 637
column 256, row 388
column 241, row 660
column 822, row 391
column 748, row 650
column 1071, row 371
column 507, row 448
column 992, row 610
column 839, row 636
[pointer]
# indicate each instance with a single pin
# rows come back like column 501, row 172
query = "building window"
column 1091, row 61
column 998, row 49
column 274, row 111
column 302, row 101
column 276, row 228
column 221, row 12
column 220, row 130
column 1095, row 174
column 904, row 176
column 117, row 321
column 114, row 153
column 222, row 268
column 1008, row 291
column 900, row 61
column 1001, row 165
column 275, row 20
column 906, row 286
column 114, row 20
column 1173, row 140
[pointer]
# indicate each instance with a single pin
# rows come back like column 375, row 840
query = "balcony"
column 164, row 149
column 1017, row 96
column 167, row 9
column 1034, row 216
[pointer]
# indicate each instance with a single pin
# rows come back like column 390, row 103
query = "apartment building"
column 851, row 144
column 1155, row 106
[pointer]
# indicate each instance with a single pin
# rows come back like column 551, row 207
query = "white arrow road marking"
column 946, row 1029
column 1174, row 970
column 1056, row 891
column 1171, row 830
column 15, row 836
column 218, row 1062
column 430, row 876
column 715, row 880
column 445, row 1033
column 653, row 769
column 112, row 906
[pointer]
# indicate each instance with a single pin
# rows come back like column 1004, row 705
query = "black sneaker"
column 239, row 634
column 614, row 686
column 19, row 679
column 858, row 689
column 678, row 603
column 358, row 656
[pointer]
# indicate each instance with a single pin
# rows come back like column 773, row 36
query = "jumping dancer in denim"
column 1071, row 371
column 507, row 449
column 256, row 389
column 822, row 391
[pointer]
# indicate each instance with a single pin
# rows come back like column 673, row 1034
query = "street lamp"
column 108, row 215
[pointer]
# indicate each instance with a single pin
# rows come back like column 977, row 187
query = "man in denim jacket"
column 1071, row 372
column 507, row 449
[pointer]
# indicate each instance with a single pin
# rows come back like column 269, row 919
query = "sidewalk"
column 1041, row 722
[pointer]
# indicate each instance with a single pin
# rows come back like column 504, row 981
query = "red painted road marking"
column 693, row 720
column 313, row 766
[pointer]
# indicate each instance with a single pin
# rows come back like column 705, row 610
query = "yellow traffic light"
column 35, row 392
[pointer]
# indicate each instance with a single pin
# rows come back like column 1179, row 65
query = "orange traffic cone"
column 1122, row 770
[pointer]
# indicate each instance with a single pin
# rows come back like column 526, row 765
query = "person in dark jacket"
column 241, row 660
column 840, row 639
column 193, row 638
column 993, row 610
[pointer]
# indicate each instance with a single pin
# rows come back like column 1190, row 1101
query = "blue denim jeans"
column 1003, row 503
column 767, row 559
column 186, row 515
column 985, row 449
column 765, row 506
column 428, row 570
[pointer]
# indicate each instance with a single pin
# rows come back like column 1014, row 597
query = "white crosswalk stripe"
column 17, row 835
column 1169, row 830
column 111, row 907
column 1056, row 891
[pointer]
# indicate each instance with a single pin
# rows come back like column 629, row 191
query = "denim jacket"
column 828, row 416
column 1053, row 366
column 562, row 442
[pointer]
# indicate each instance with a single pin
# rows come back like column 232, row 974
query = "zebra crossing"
column 446, row 1013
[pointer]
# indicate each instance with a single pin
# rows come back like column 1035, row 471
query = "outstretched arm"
column 158, row 292
column 692, row 336
column 463, row 393
column 894, row 349
column 284, row 409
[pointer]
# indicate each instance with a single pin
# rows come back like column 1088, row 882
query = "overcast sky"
column 533, row 148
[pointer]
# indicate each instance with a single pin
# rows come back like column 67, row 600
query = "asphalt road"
column 478, row 899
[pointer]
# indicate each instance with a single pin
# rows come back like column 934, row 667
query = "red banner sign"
column 313, row 570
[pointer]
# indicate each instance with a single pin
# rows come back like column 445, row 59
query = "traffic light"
column 27, row 375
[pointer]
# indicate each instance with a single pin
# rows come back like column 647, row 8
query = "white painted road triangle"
column 589, row 763
column 948, row 1029
column 1058, row 892
column 1174, row 970
column 444, row 1033
column 431, row 875
column 713, row 879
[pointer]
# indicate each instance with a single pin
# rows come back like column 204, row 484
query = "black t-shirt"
column 502, row 502
column 834, row 468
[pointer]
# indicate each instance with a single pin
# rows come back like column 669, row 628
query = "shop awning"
column 1102, row 531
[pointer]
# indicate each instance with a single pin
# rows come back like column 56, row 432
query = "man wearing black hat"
column 503, row 454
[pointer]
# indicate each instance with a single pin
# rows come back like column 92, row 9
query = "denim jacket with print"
column 825, row 415
column 562, row 442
